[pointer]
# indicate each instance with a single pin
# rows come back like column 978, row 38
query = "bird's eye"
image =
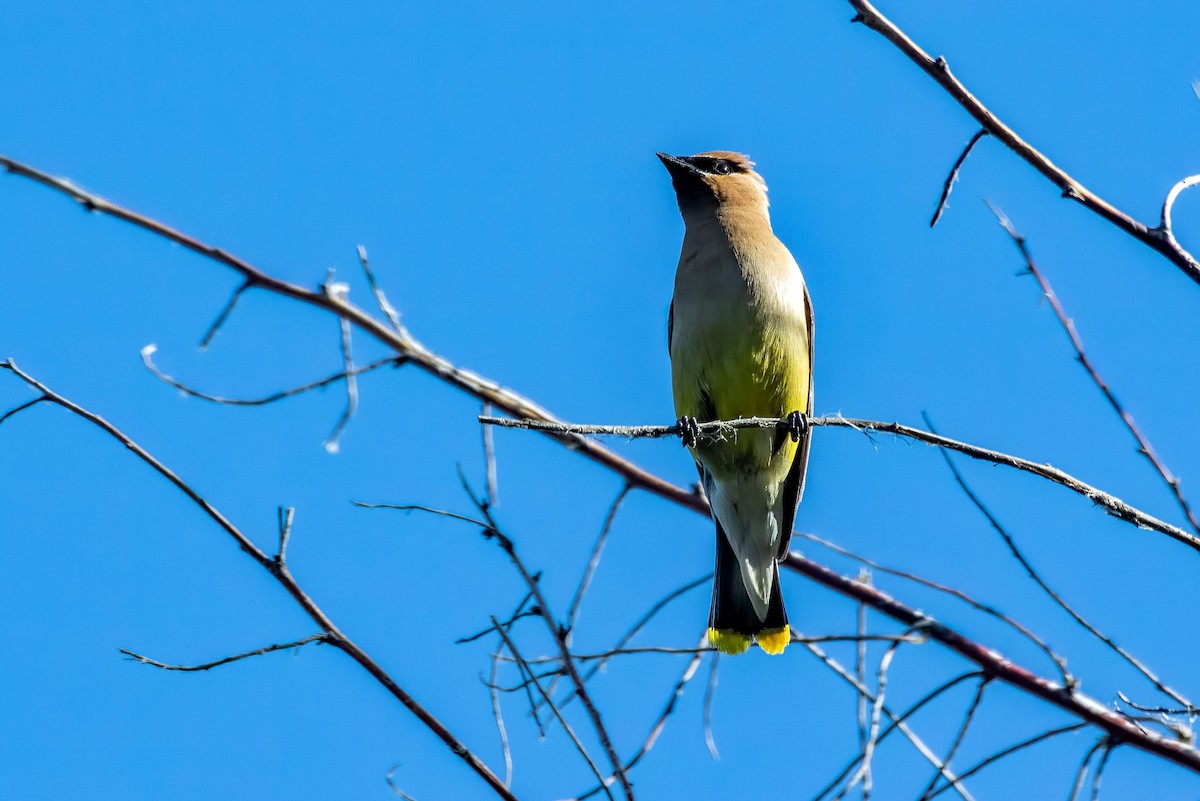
column 721, row 167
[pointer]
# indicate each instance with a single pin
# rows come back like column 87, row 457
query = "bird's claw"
column 797, row 425
column 689, row 431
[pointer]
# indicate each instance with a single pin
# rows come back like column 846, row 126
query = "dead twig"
column 953, row 176
column 145, row 660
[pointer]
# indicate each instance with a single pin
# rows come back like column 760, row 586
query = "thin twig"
column 1161, row 710
column 1133, row 661
column 381, row 300
column 391, row 783
column 898, row 721
column 641, row 623
column 1012, row 749
column 1099, row 774
column 594, row 560
column 223, row 315
column 724, row 428
column 145, row 660
column 22, row 407
column 953, row 176
column 1068, row 325
column 705, row 649
column 710, row 693
column 491, row 488
column 413, row 507
column 523, row 666
column 860, row 672
column 493, row 531
column 1081, row 774
column 953, row 592
column 340, row 293
column 286, row 517
column 498, row 716
column 961, row 735
column 147, row 360
column 939, row 71
column 863, row 774
column 661, row 722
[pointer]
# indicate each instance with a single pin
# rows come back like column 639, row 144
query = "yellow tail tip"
column 729, row 642
column 773, row 641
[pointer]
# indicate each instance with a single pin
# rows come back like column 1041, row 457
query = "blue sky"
column 499, row 166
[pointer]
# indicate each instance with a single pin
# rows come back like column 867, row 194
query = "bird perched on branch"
column 740, row 334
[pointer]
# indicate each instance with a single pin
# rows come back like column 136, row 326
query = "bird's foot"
column 797, row 425
column 689, row 431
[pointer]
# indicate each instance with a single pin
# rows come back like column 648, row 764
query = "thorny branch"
column 1159, row 238
column 721, row 429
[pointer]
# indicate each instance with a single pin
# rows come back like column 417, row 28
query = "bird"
column 740, row 335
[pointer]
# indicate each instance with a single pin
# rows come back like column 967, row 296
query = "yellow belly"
column 757, row 369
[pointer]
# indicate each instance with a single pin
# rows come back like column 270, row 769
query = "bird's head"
column 717, row 179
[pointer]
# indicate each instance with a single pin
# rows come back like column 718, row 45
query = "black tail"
column 732, row 621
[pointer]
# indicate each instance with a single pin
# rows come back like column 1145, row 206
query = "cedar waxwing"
column 740, row 332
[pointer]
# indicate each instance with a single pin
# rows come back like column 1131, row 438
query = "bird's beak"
column 677, row 166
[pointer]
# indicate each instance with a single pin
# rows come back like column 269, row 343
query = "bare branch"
column 939, row 70
column 953, row 176
column 723, row 428
column 525, row 670
column 641, row 623
column 145, row 660
column 864, row 765
column 660, row 723
column 333, row 635
column 492, row 531
column 594, row 560
column 1068, row 325
column 516, row 405
column 898, row 721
